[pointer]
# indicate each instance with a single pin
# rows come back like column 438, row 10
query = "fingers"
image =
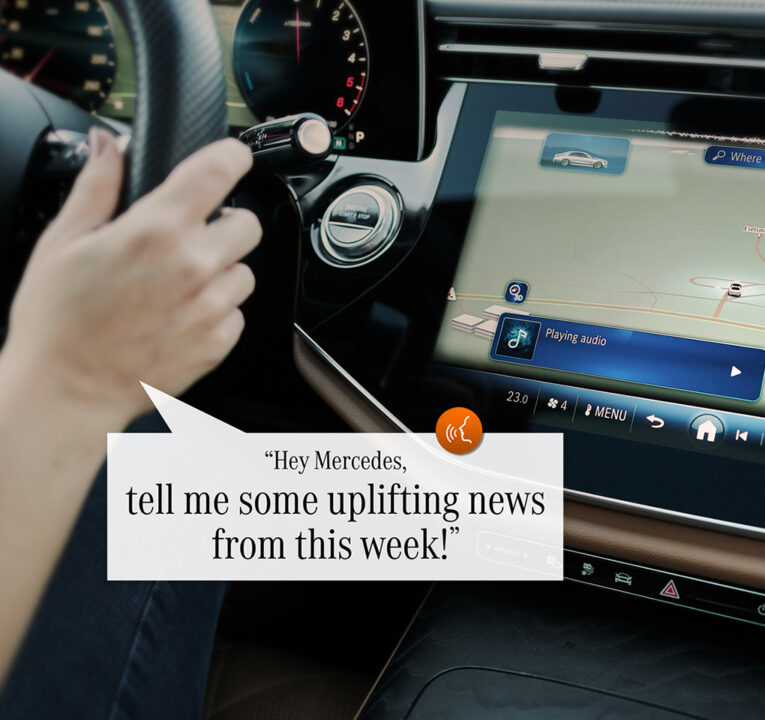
column 226, row 292
column 230, row 238
column 96, row 192
column 201, row 183
column 188, row 258
column 224, row 337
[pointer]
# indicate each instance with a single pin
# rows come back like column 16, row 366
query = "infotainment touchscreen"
column 629, row 258
column 622, row 263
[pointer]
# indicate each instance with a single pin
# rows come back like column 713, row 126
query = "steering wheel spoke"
column 181, row 108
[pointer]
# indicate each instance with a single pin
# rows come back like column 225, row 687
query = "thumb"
column 96, row 192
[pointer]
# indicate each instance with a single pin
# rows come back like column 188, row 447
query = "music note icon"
column 515, row 341
column 516, row 338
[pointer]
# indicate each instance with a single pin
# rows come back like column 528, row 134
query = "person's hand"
column 152, row 296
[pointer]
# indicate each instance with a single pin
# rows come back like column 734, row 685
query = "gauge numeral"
column 65, row 46
column 317, row 46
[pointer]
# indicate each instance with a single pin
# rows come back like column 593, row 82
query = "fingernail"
column 123, row 142
column 97, row 141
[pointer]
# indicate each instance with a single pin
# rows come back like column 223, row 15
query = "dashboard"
column 534, row 212
column 341, row 59
column 550, row 213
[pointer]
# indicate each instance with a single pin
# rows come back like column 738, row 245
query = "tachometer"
column 302, row 56
column 65, row 46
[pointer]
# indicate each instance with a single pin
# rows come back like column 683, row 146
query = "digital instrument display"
column 65, row 46
column 292, row 57
column 121, row 101
column 342, row 60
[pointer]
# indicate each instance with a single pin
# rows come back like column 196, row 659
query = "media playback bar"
column 701, row 366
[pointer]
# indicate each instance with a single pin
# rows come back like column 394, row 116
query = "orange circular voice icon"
column 459, row 430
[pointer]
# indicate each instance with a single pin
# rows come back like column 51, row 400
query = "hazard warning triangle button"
column 670, row 591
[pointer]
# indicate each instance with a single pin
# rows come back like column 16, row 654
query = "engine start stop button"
column 360, row 225
column 360, row 209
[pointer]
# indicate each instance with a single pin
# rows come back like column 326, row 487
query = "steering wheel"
column 181, row 102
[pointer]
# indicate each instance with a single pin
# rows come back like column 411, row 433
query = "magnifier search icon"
column 719, row 156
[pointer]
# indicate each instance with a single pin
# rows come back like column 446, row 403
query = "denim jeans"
column 115, row 650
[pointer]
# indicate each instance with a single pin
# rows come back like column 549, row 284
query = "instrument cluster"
column 357, row 63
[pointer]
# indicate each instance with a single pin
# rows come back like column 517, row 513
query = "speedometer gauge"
column 65, row 46
column 294, row 56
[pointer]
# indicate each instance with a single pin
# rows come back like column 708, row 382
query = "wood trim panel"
column 673, row 546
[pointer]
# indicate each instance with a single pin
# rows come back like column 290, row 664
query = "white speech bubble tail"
column 186, row 420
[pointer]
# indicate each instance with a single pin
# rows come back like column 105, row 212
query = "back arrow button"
column 656, row 422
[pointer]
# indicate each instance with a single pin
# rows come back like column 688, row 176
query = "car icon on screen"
column 580, row 158
column 735, row 289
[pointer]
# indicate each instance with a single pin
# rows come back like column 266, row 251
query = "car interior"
column 546, row 211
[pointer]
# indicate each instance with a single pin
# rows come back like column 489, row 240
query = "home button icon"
column 707, row 431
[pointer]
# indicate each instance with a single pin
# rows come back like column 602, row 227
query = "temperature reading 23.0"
column 302, row 56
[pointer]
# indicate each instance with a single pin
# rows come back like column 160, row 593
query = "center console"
column 505, row 650
column 581, row 251
column 590, row 262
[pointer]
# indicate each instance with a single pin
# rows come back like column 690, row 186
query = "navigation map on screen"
column 623, row 255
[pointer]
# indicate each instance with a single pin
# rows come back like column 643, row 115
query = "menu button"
column 610, row 418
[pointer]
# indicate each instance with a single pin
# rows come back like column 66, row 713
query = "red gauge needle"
column 32, row 74
column 297, row 31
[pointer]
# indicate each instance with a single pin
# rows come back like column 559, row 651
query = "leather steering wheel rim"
column 181, row 88
column 181, row 107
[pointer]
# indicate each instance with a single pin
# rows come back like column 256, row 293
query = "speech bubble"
column 209, row 502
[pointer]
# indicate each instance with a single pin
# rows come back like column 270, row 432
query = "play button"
column 734, row 371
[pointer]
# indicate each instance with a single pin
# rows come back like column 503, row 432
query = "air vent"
column 698, row 59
